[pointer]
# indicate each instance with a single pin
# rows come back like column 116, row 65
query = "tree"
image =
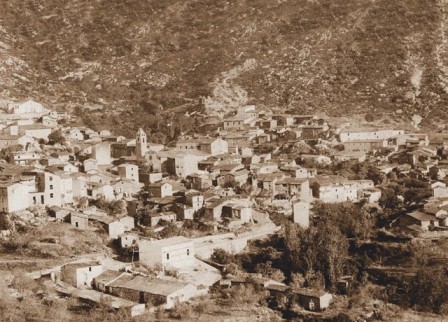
column 267, row 270
column 170, row 229
column 297, row 281
column 56, row 137
column 5, row 153
column 332, row 250
column 351, row 219
column 317, row 250
column 119, row 207
column 370, row 117
column 222, row 257
column 428, row 289
column 83, row 203
column 389, row 199
column 293, row 245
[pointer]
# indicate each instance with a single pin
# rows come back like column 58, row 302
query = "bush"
column 428, row 289
column 56, row 137
column 370, row 117
column 222, row 257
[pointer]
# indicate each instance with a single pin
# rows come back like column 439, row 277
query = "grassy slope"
column 337, row 56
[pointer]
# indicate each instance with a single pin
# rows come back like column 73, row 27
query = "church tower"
column 141, row 144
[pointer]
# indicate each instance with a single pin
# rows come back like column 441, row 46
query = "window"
column 90, row 269
column 188, row 252
column 167, row 256
column 51, row 187
column 50, row 178
column 51, row 195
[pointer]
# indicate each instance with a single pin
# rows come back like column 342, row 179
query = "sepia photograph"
column 223, row 160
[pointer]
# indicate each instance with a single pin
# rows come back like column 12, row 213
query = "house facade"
column 81, row 274
column 175, row 252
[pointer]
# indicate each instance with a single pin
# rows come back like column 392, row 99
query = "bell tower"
column 141, row 143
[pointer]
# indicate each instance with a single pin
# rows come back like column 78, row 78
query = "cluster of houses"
column 226, row 177
column 433, row 216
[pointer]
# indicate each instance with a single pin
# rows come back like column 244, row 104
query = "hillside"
column 138, row 58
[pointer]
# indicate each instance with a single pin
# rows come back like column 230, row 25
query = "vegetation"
column 428, row 290
column 56, row 137
column 161, row 59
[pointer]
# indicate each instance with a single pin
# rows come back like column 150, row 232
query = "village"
column 165, row 212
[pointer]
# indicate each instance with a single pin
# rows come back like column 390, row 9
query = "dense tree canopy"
column 322, row 249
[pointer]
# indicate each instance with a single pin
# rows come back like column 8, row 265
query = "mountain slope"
column 340, row 57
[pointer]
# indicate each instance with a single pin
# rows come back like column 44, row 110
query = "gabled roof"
column 108, row 276
column 421, row 216
column 329, row 180
column 177, row 153
column 125, row 277
column 292, row 181
column 311, row 293
column 159, row 184
column 238, row 173
column 82, row 265
column 177, row 240
column 270, row 176
column 154, row 286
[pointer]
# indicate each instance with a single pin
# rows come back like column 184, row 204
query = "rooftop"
column 177, row 240
column 108, row 276
column 153, row 286
column 421, row 216
column 82, row 265
column 311, row 293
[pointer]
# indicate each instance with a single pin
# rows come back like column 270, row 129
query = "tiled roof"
column 154, row 286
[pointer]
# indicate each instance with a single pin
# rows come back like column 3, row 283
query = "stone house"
column 126, row 188
column 90, row 165
column 365, row 146
column 99, row 282
column 293, row 187
column 242, row 213
column 194, row 199
column 312, row 300
column 237, row 178
column 79, row 220
column 24, row 157
column 368, row 134
column 181, row 163
column 97, row 190
column 312, row 132
column 37, row 131
column 200, row 181
column 160, row 190
column 212, row 146
column 102, row 153
column 47, row 189
column 28, row 106
column 128, row 239
column 166, row 216
column 175, row 252
column 334, row 189
column 422, row 220
column 152, row 291
column 128, row 171
column 7, row 140
column 14, row 196
column 439, row 190
column 234, row 123
column 81, row 274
